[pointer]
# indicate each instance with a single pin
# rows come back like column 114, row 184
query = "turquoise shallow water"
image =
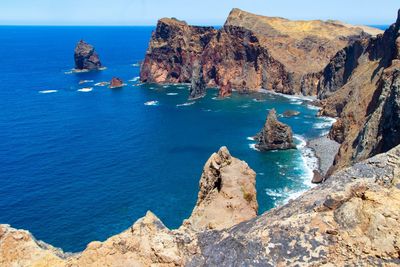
column 79, row 166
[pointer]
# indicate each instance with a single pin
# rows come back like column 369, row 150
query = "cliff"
column 361, row 86
column 250, row 52
column 351, row 219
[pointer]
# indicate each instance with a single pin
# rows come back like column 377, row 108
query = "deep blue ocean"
column 77, row 166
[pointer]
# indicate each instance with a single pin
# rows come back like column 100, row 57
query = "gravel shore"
column 325, row 150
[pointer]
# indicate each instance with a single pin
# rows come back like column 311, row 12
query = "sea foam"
column 48, row 91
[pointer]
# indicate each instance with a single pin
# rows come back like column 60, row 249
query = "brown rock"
column 116, row 83
column 274, row 135
column 86, row 58
column 361, row 85
column 250, row 52
column 290, row 113
column 317, row 178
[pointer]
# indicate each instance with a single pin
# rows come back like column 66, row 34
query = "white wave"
column 322, row 125
column 48, row 91
column 85, row 90
column 165, row 86
column 102, row 84
column 185, row 104
column 250, row 138
column 152, row 103
column 85, row 81
column 313, row 107
column 135, row 79
column 152, row 88
column 302, row 141
column 259, row 100
column 261, row 173
column 253, row 146
column 298, row 97
column 181, row 87
column 172, row 93
column 135, row 65
column 244, row 106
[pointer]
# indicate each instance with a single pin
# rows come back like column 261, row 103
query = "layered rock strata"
column 350, row 220
column 275, row 135
column 86, row 58
column 361, row 86
column 248, row 53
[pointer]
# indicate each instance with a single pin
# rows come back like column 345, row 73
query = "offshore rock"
column 248, row 53
column 116, row 83
column 290, row 113
column 275, row 135
column 86, row 58
column 361, row 86
column 351, row 219
column 198, row 85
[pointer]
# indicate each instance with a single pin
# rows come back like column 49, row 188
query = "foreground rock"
column 86, row 58
column 227, row 197
column 352, row 219
column 116, row 83
column 275, row 135
column 361, row 86
column 227, row 194
column 250, row 52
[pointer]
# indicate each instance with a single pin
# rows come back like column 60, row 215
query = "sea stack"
column 275, row 135
column 86, row 58
column 116, row 83
column 198, row 85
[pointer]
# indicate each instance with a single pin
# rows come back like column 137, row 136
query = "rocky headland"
column 249, row 52
column 275, row 135
column 86, row 58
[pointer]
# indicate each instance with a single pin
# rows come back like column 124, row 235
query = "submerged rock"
column 275, row 135
column 290, row 113
column 116, row 83
column 86, row 58
column 198, row 85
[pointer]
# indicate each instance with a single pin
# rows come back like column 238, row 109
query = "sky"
column 200, row 12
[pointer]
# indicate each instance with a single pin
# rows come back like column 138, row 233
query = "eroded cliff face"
column 360, row 85
column 250, row 52
column 350, row 220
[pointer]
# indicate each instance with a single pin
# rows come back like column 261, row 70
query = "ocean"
column 80, row 162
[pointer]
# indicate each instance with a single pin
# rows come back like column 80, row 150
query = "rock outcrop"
column 275, row 135
column 248, row 53
column 116, row 83
column 198, row 85
column 227, row 194
column 86, row 58
column 352, row 219
column 361, row 86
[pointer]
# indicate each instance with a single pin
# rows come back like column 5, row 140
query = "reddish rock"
column 248, row 53
column 275, row 135
column 86, row 58
column 116, row 83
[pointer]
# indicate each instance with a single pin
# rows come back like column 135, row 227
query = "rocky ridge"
column 250, row 52
column 275, row 135
column 86, row 58
column 351, row 219
column 361, row 86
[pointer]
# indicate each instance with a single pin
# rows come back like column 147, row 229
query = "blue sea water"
column 77, row 166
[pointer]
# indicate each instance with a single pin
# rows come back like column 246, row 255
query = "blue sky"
column 212, row 12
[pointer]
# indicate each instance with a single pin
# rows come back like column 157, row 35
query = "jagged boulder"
column 86, row 58
column 275, row 135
